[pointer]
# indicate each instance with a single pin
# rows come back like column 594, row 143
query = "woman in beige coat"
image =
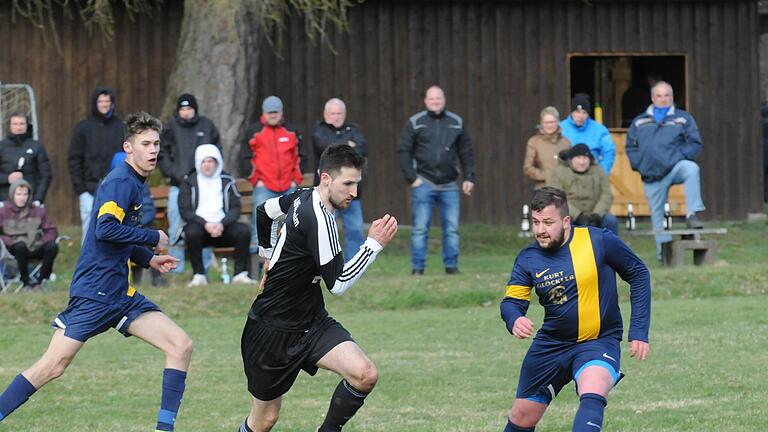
column 543, row 148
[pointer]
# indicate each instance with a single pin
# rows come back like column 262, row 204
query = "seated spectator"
column 588, row 189
column 543, row 148
column 23, row 157
column 28, row 233
column 148, row 213
column 210, row 205
column 579, row 128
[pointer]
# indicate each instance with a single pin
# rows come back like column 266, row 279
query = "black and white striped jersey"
column 305, row 251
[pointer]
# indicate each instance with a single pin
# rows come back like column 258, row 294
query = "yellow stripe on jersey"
column 585, row 270
column 111, row 207
column 519, row 292
column 131, row 290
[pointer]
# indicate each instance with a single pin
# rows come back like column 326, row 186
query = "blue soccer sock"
column 173, row 390
column 511, row 427
column 18, row 392
column 589, row 417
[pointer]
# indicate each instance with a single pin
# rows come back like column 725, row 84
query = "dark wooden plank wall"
column 136, row 64
column 501, row 62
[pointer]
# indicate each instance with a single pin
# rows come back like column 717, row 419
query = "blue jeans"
column 261, row 194
column 352, row 218
column 611, row 223
column 424, row 198
column 685, row 172
column 175, row 229
column 86, row 206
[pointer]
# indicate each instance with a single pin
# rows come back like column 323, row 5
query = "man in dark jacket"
column 28, row 233
column 210, row 205
column 181, row 136
column 23, row 157
column 662, row 145
column 432, row 145
column 95, row 141
column 334, row 129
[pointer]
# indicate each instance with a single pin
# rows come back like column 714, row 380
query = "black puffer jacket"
column 22, row 153
column 433, row 145
column 324, row 135
column 178, row 142
column 95, row 141
column 189, row 197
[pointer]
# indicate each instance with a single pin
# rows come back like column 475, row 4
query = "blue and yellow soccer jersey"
column 113, row 237
column 576, row 284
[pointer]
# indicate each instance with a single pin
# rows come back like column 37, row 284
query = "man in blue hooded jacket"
column 662, row 145
column 580, row 128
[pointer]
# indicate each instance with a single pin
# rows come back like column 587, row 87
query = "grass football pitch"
column 446, row 362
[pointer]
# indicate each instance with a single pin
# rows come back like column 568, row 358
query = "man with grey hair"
column 662, row 145
column 334, row 129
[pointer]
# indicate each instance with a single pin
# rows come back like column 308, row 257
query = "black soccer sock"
column 244, row 427
column 345, row 402
column 511, row 427
column 589, row 417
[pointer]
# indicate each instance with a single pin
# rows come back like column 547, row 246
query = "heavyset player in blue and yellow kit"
column 573, row 271
column 101, row 296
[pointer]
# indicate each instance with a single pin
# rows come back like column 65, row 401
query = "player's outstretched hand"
column 162, row 243
column 523, row 328
column 163, row 263
column 383, row 230
column 639, row 350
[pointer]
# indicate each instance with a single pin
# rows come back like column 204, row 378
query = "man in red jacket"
column 272, row 150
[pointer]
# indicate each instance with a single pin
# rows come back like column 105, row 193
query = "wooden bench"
column 673, row 253
column 160, row 199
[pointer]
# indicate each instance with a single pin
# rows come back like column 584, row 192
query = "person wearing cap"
column 433, row 144
column 21, row 156
column 542, row 149
column 28, row 233
column 580, row 128
column 587, row 188
column 334, row 129
column 662, row 145
column 272, row 153
column 93, row 143
column 180, row 138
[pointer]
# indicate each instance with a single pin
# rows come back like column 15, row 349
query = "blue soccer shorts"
column 550, row 365
column 85, row 318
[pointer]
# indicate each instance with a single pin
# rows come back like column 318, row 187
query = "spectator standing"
column 587, row 188
column 662, row 145
column 272, row 150
column 210, row 205
column 21, row 156
column 94, row 142
column 542, row 149
column 433, row 143
column 181, row 136
column 580, row 128
column 28, row 233
column 334, row 129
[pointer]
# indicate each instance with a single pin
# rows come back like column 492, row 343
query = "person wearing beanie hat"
column 578, row 127
column 180, row 138
column 28, row 233
column 272, row 157
column 587, row 188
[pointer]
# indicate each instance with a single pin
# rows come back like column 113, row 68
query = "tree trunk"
column 217, row 61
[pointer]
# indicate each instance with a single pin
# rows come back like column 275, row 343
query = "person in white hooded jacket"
column 210, row 206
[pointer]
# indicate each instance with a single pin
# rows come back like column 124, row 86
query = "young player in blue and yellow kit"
column 573, row 271
column 101, row 295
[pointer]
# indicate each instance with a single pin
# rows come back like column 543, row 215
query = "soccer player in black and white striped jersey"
column 288, row 328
